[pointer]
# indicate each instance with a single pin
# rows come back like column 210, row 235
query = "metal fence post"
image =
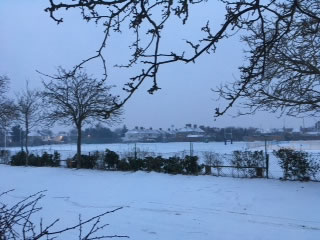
column 267, row 165
column 135, row 151
column 191, row 149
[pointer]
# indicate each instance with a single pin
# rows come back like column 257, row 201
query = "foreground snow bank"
column 159, row 206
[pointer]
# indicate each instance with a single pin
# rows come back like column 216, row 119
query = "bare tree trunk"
column 79, row 147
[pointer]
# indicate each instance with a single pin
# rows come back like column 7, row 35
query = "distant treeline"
column 101, row 134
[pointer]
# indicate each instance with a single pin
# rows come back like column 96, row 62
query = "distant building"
column 61, row 137
column 187, row 133
column 190, row 133
column 142, row 135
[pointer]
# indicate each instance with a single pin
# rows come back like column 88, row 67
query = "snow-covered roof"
column 187, row 129
column 264, row 131
column 313, row 133
column 296, row 130
column 194, row 136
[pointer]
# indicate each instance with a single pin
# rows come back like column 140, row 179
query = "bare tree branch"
column 7, row 107
column 16, row 223
column 30, row 114
column 269, row 28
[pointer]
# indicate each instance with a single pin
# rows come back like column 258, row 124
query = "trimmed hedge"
column 172, row 165
column 87, row 161
column 46, row 160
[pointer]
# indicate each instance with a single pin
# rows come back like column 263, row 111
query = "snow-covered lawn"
column 171, row 207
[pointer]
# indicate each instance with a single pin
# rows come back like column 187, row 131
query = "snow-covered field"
column 183, row 148
column 171, row 207
column 176, row 147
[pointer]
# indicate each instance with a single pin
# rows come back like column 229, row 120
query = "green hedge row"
column 46, row 159
column 111, row 161
column 173, row 165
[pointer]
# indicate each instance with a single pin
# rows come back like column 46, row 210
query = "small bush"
column 56, row 159
column 123, row 165
column 296, row 165
column 212, row 159
column 35, row 160
column 19, row 159
column 247, row 162
column 136, row 164
column 191, row 165
column 111, row 159
column 50, row 160
column 173, row 165
column 154, row 164
column 87, row 161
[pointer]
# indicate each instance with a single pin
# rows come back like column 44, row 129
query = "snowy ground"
column 160, row 206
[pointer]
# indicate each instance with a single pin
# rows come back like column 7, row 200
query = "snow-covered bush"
column 212, row 159
column 296, row 165
column 247, row 162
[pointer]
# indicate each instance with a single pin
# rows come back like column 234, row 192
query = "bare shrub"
column 16, row 222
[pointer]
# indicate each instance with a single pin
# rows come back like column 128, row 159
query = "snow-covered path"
column 160, row 206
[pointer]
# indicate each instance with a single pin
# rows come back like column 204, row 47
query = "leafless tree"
column 285, row 76
column 79, row 99
column 16, row 222
column 265, row 25
column 7, row 107
column 29, row 112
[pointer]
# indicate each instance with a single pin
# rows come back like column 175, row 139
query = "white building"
column 142, row 135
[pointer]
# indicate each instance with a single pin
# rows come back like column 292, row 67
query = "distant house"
column 61, row 137
column 190, row 133
column 168, row 135
column 142, row 135
column 45, row 135
column 187, row 133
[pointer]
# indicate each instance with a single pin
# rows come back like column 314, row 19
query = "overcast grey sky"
column 30, row 40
